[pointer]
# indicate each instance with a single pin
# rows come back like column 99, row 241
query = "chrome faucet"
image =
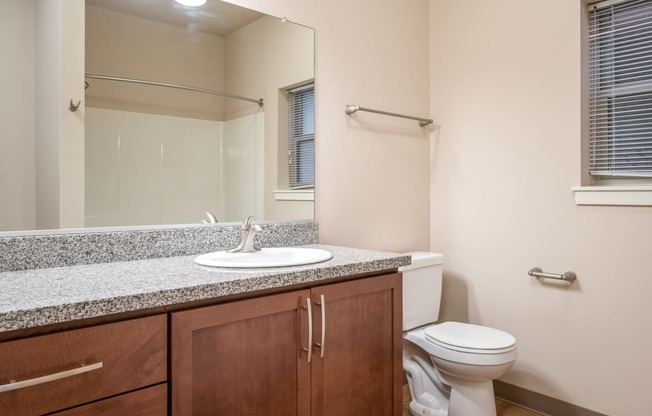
column 247, row 234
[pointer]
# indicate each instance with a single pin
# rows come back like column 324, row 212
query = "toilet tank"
column 421, row 289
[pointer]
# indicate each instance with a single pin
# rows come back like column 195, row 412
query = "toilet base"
column 440, row 387
column 417, row 409
column 472, row 387
column 472, row 398
column 430, row 396
column 466, row 398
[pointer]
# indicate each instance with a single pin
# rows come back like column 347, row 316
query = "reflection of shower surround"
column 154, row 169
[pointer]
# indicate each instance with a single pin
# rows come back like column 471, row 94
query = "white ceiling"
column 215, row 17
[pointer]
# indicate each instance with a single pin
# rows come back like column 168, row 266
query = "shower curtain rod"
column 179, row 87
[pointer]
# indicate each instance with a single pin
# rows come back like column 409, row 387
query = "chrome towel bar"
column 350, row 109
column 569, row 276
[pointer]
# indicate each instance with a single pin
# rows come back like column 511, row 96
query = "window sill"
column 613, row 195
column 295, row 195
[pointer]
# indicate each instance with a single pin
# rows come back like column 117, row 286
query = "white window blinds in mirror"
column 620, row 88
column 301, row 137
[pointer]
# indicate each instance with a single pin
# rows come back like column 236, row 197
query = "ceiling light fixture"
column 191, row 3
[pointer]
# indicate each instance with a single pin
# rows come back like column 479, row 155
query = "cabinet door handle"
column 309, row 349
column 51, row 377
column 320, row 345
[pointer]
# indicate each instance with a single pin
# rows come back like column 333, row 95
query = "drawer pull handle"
column 51, row 377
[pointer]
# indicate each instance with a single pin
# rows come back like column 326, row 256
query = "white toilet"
column 450, row 366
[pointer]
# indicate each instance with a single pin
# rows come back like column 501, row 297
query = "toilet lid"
column 470, row 338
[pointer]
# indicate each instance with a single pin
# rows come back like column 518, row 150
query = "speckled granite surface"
column 31, row 298
column 66, row 249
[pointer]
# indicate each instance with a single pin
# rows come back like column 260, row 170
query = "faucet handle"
column 246, row 224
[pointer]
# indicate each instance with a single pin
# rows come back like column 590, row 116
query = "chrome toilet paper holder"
column 568, row 276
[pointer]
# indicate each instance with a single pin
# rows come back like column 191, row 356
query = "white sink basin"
column 266, row 257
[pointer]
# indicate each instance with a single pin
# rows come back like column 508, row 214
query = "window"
column 620, row 89
column 301, row 137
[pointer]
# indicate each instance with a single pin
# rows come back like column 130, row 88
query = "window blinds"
column 620, row 88
column 301, row 137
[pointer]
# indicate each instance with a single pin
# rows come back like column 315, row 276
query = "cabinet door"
column 242, row 358
column 357, row 369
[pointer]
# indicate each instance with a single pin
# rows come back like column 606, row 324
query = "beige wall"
column 38, row 133
column 71, row 130
column 17, row 40
column 505, row 90
column 265, row 57
column 59, row 132
column 372, row 171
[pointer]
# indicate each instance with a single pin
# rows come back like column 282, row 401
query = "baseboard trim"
column 538, row 402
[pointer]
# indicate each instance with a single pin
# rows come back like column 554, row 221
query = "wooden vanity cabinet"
column 361, row 371
column 74, row 367
column 327, row 350
column 331, row 350
column 241, row 358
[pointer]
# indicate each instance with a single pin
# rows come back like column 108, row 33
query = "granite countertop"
column 38, row 297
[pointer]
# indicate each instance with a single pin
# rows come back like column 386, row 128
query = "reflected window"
column 301, row 137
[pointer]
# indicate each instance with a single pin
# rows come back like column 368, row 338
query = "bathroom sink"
column 266, row 257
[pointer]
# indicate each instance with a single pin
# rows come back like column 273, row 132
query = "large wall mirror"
column 154, row 152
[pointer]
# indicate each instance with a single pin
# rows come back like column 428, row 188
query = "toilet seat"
column 469, row 338
column 469, row 356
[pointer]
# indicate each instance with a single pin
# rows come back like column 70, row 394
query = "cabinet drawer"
column 152, row 401
column 109, row 359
